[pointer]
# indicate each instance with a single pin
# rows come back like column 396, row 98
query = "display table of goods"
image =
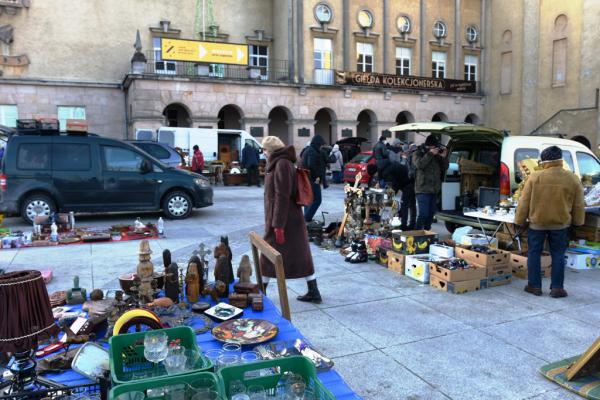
column 269, row 365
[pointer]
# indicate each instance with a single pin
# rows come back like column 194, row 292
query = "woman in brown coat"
column 285, row 229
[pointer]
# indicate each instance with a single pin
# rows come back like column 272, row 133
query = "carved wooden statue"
column 145, row 268
column 200, row 265
column 172, row 282
column 222, row 252
column 166, row 259
column 224, row 273
column 244, row 271
column 192, row 283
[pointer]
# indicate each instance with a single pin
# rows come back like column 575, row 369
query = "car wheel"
column 35, row 205
column 450, row 226
column 177, row 205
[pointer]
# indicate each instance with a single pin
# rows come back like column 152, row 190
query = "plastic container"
column 267, row 374
column 127, row 355
column 158, row 383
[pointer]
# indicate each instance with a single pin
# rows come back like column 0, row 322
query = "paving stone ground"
column 390, row 337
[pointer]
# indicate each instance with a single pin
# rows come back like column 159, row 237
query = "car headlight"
column 202, row 182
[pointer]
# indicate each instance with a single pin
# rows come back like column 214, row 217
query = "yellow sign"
column 209, row 52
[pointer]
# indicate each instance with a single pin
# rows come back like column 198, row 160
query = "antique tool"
column 339, row 242
column 76, row 295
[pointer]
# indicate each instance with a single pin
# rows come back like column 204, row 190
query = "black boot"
column 313, row 295
column 265, row 287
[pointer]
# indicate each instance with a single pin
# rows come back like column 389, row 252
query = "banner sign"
column 208, row 52
column 404, row 82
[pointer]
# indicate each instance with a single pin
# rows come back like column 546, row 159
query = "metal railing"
column 276, row 71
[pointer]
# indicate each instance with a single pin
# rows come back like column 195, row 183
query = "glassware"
column 227, row 360
column 155, row 346
column 249, row 356
column 202, row 385
column 213, row 355
column 192, row 356
column 131, row 396
column 176, row 392
column 175, row 364
column 234, row 348
column 256, row 393
column 208, row 395
column 236, row 387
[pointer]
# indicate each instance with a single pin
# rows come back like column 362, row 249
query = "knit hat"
column 272, row 143
column 397, row 142
column 551, row 153
column 432, row 140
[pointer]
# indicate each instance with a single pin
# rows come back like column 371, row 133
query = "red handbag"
column 304, row 192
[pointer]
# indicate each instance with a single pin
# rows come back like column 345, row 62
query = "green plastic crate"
column 144, row 385
column 275, row 368
column 127, row 354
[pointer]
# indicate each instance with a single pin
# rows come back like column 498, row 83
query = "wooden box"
column 395, row 261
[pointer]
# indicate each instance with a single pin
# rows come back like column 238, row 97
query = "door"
column 76, row 175
column 126, row 187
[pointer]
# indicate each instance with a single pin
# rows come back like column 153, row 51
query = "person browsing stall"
column 552, row 201
column 312, row 160
column 250, row 160
column 197, row 160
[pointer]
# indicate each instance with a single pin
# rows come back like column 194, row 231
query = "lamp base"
column 25, row 378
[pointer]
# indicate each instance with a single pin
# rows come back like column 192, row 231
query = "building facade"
column 336, row 68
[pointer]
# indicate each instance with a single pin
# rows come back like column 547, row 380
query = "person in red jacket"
column 197, row 160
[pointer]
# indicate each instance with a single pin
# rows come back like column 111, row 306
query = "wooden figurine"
column 244, row 271
column 172, row 282
column 223, row 249
column 166, row 259
column 196, row 260
column 192, row 282
column 215, row 291
column 223, row 272
column 145, row 268
column 76, row 295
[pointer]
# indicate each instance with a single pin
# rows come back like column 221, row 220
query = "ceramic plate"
column 245, row 331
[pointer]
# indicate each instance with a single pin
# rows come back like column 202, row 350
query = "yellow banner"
column 208, row 52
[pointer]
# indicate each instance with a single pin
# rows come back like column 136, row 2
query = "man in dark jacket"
column 312, row 160
column 430, row 163
column 408, row 203
column 380, row 152
column 250, row 159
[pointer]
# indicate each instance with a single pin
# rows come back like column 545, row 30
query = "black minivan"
column 41, row 174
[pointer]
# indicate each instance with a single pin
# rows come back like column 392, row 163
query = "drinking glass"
column 175, row 392
column 135, row 395
column 236, row 387
column 192, row 356
column 256, row 393
column 208, row 395
column 227, row 359
column 234, row 348
column 155, row 346
column 202, row 385
column 175, row 363
column 249, row 356
column 213, row 355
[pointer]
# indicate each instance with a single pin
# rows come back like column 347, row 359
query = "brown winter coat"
column 281, row 211
column 551, row 199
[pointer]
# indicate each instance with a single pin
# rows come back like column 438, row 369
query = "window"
column 520, row 155
column 588, row 166
column 559, row 62
column 364, row 57
column 471, row 34
column 403, row 58
column 71, row 157
column 403, row 24
column 506, row 73
column 471, row 67
column 160, row 66
column 365, row 19
column 216, row 70
column 259, row 57
column 439, row 30
column 34, row 156
column 65, row 113
column 566, row 154
column 323, row 13
column 8, row 115
column 121, row 160
column 323, row 61
column 155, row 150
column 438, row 64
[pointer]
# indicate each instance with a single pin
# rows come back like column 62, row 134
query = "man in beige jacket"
column 552, row 201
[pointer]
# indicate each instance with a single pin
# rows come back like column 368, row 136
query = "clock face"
column 365, row 19
column 403, row 24
column 323, row 13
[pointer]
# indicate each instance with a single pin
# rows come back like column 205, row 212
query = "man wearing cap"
column 552, row 201
column 430, row 164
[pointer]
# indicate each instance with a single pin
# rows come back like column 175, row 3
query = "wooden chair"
column 260, row 245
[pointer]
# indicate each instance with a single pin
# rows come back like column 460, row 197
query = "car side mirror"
column 145, row 167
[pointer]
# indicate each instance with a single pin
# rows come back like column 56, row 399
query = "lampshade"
column 25, row 310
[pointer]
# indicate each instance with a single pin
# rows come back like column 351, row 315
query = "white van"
column 502, row 153
column 215, row 144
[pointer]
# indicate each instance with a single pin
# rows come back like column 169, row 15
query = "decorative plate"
column 245, row 331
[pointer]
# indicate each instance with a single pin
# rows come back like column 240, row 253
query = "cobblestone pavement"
column 390, row 337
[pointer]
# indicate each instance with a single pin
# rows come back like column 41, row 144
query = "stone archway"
column 472, row 119
column 230, row 117
column 280, row 124
column 325, row 120
column 439, row 117
column 583, row 140
column 366, row 123
column 403, row 117
column 177, row 115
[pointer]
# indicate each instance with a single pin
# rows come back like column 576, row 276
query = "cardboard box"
column 458, row 287
column 441, row 250
column 591, row 234
column 582, row 260
column 498, row 270
column 499, row 280
column 413, row 242
column 457, row 275
column 417, row 266
column 386, row 243
column 382, row 257
column 473, row 257
column 395, row 261
column 592, row 220
column 519, row 259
